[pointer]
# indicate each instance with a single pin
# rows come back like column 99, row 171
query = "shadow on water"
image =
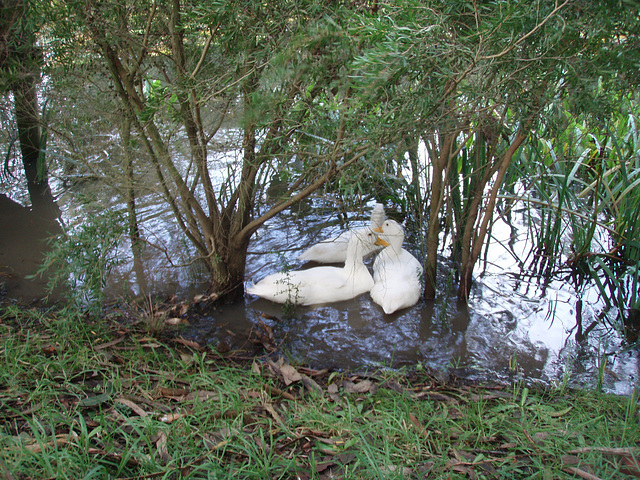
column 353, row 334
column 24, row 233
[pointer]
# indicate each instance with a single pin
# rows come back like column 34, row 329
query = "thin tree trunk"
column 20, row 55
column 27, row 119
column 412, row 144
column 433, row 231
column 33, row 159
column 134, row 231
column 466, row 279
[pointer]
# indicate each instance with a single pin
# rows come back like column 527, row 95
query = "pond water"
column 512, row 326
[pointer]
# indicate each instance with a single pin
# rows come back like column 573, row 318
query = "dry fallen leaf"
column 175, row 393
column 311, row 384
column 630, row 465
column 203, row 395
column 439, row 397
column 255, row 368
column 541, row 435
column 59, row 440
column 161, row 445
column 362, row 387
column 276, row 416
column 206, row 298
column 289, row 374
column 133, row 406
column 569, row 460
column 48, row 349
column 188, row 343
column 395, row 469
column 176, row 321
column 172, row 417
column 416, row 423
column 219, row 438
column 180, row 309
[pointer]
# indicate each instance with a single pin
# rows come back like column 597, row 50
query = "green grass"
column 84, row 399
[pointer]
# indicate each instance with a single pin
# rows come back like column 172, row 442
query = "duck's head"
column 365, row 236
column 389, row 231
column 379, row 240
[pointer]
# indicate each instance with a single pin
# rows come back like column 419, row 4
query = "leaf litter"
column 268, row 413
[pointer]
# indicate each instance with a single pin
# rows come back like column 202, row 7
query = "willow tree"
column 274, row 70
column 472, row 80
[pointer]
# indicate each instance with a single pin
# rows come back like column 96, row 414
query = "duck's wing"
column 331, row 250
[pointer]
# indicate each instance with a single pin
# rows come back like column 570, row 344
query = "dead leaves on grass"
column 266, row 414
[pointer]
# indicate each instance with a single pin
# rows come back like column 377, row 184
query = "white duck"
column 334, row 250
column 397, row 274
column 322, row 284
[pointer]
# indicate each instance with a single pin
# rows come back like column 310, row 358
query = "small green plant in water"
column 291, row 289
column 601, row 365
column 519, row 387
column 80, row 259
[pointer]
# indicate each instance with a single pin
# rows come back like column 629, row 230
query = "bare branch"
column 145, row 41
column 203, row 55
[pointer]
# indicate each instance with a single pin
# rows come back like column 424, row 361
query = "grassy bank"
column 82, row 399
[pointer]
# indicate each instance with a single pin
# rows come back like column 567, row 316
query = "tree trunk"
column 23, row 59
column 433, row 232
column 412, row 144
column 236, row 264
column 134, row 231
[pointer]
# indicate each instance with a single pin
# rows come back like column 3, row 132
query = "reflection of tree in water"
column 500, row 341
column 23, row 235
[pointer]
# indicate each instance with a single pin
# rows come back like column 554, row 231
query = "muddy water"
column 511, row 328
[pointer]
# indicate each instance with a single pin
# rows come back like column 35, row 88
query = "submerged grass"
column 83, row 399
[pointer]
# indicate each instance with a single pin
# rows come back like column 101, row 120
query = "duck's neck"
column 354, row 256
column 377, row 219
column 395, row 247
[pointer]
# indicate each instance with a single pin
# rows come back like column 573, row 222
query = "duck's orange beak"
column 378, row 230
column 382, row 242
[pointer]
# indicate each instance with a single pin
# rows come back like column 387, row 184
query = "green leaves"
column 79, row 260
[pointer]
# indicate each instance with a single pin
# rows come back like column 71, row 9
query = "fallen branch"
column 580, row 473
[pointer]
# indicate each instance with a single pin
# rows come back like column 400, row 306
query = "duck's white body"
column 334, row 250
column 322, row 284
column 397, row 274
